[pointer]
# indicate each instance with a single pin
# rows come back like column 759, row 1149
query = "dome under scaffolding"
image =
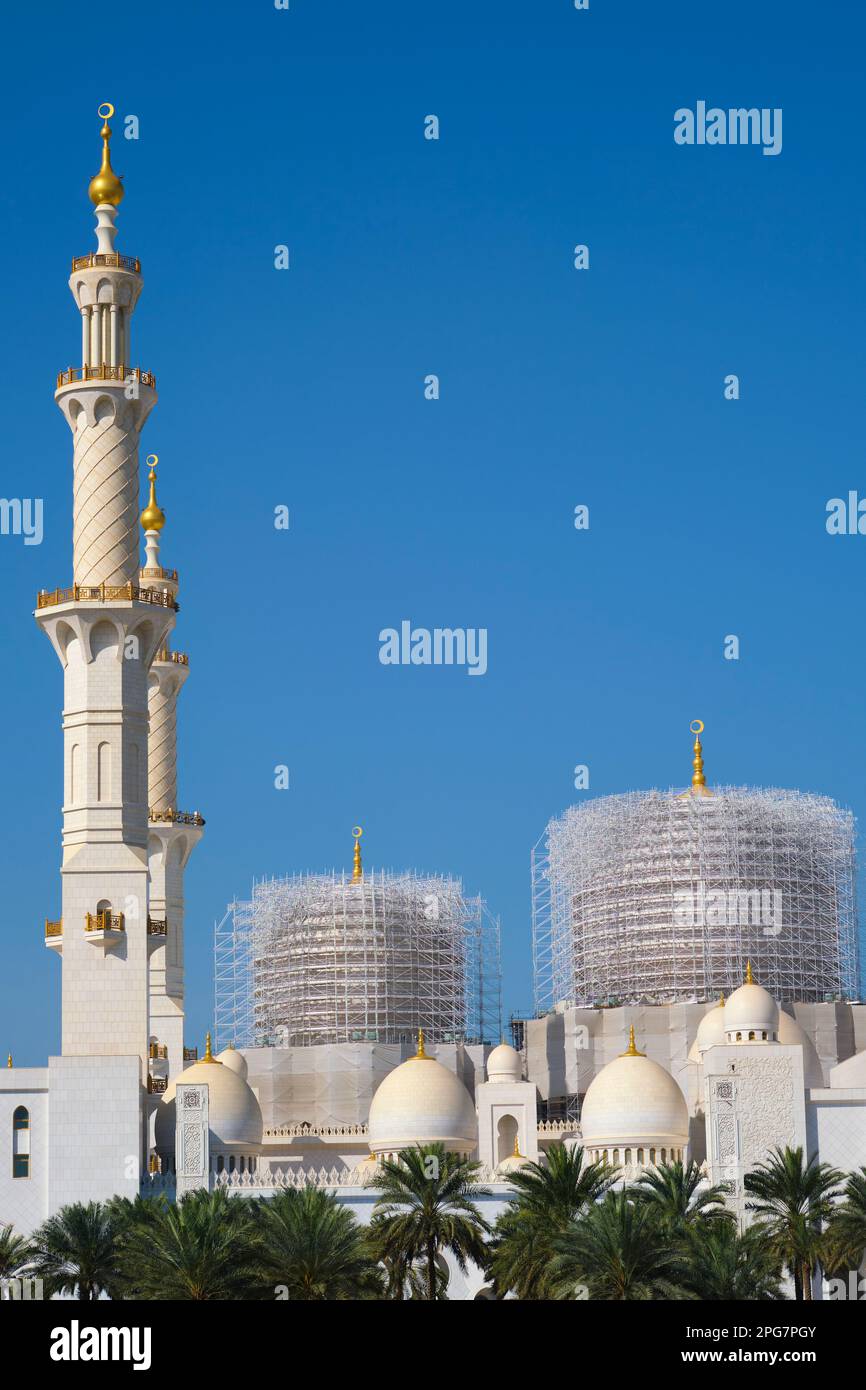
column 661, row 897
column 366, row 957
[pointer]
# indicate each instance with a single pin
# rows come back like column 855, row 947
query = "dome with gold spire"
column 106, row 186
column 422, row 1102
column 634, row 1112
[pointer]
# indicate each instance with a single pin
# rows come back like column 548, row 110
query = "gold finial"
column 722, row 1000
column 517, row 1153
column 9, row 1060
column 750, row 979
column 208, row 1055
column 357, row 871
column 153, row 517
column 631, row 1050
column 698, row 779
column 106, row 187
column 421, row 1053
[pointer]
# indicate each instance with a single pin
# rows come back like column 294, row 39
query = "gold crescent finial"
column 631, row 1050
column 153, row 517
column 357, row 869
column 208, row 1055
column 106, row 187
column 698, row 779
column 750, row 979
column 421, row 1053
column 9, row 1060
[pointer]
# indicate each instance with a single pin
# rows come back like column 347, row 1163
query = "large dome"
column 234, row 1117
column 633, row 1101
column 422, row 1102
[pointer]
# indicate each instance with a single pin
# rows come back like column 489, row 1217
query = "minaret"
column 106, row 629
column 173, row 834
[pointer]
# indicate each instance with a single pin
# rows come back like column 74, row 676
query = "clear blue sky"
column 558, row 387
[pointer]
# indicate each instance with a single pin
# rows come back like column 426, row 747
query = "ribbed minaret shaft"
column 162, row 742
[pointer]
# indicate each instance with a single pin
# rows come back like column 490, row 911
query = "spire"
column 153, row 517
column 517, row 1153
column 421, row 1054
column 357, row 870
column 722, row 1000
column 699, row 782
column 208, row 1055
column 631, row 1050
column 106, row 187
column 750, row 979
column 9, row 1060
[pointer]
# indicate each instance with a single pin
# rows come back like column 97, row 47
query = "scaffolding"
column 662, row 898
column 325, row 958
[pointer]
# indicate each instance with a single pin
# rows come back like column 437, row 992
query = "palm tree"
column 200, row 1248
column 723, row 1265
column 670, row 1193
column 313, row 1247
column 74, row 1251
column 792, row 1201
column 613, row 1253
column 845, row 1241
column 426, row 1206
column 14, row 1252
column 549, row 1197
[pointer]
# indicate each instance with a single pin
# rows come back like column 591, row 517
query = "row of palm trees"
column 570, row 1232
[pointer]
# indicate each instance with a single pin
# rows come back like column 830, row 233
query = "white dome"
column 634, row 1101
column 751, row 1014
column 511, row 1164
column 422, row 1102
column 234, row 1117
column 790, row 1033
column 504, row 1064
column 711, row 1032
column 234, row 1060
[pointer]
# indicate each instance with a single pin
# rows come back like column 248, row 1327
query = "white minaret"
column 106, row 628
column 173, row 834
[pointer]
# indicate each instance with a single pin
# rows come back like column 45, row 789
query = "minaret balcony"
column 111, row 260
column 105, row 593
column 157, row 572
column 157, row 1085
column 172, row 817
column 104, row 371
column 179, row 658
column 105, row 929
column 157, row 933
column 190, row 1054
column 54, row 935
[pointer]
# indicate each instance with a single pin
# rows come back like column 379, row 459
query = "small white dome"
column 634, row 1101
column 234, row 1116
column 751, row 1014
column 511, row 1164
column 234, row 1060
column 504, row 1064
column 790, row 1033
column 422, row 1102
column 711, row 1032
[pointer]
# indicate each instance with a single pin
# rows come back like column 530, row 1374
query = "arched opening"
column 74, row 773
column 21, row 1142
column 506, row 1133
column 103, row 772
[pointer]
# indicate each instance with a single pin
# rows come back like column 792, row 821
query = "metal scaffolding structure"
column 327, row 958
column 662, row 898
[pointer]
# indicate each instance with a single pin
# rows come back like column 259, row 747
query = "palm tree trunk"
column 798, row 1284
column 431, row 1270
column 807, row 1283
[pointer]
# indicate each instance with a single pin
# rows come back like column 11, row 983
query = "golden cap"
column 357, row 870
column 421, row 1054
column 208, row 1055
column 153, row 517
column 750, row 979
column 106, row 187
column 9, row 1060
column 631, row 1050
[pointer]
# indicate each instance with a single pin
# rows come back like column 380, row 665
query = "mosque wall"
column 24, row 1198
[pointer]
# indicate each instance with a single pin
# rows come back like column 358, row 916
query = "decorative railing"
column 105, row 593
column 111, row 259
column 157, row 926
column 53, row 928
column 172, row 817
column 558, row 1127
column 164, row 654
column 158, row 1052
column 104, row 921
column 157, row 572
column 156, row 1085
column 316, row 1132
column 105, row 371
column 263, row 1181
column 190, row 1054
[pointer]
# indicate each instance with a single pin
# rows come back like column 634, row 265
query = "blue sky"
column 558, row 387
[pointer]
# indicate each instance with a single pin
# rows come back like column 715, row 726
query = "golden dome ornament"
column 153, row 517
column 106, row 186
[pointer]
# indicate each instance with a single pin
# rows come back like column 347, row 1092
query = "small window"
column 21, row 1166
column 21, row 1118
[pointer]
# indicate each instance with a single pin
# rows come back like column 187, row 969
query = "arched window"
column 21, row 1142
column 628, row 1155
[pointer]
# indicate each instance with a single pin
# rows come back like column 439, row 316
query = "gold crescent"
column 696, row 726
column 152, row 460
column 105, row 111
column 357, row 831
